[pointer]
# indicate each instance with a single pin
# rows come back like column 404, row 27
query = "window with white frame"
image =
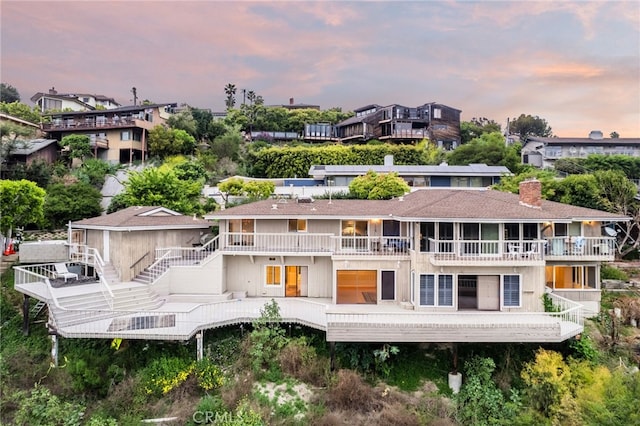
column 297, row 225
column 125, row 136
column 511, row 291
column 432, row 295
column 273, row 275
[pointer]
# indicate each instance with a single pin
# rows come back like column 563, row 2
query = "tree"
column 527, row 125
column 618, row 194
column 65, row 203
column 259, row 189
column 614, row 135
column 512, row 183
column 578, row 190
column 233, row 186
column 159, row 187
column 490, row 149
column 164, row 141
column 79, row 145
column 227, row 145
column 22, row 111
column 475, row 128
column 373, row 186
column 230, row 91
column 184, row 121
column 8, row 93
column 11, row 138
column 21, row 203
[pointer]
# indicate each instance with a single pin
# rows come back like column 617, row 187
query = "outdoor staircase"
column 126, row 298
column 147, row 275
column 110, row 274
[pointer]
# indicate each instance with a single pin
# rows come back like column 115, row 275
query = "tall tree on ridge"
column 230, row 91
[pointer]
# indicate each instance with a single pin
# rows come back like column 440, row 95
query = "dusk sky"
column 574, row 63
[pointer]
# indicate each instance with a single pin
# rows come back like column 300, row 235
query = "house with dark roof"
column 32, row 150
column 436, row 265
column 393, row 123
column 543, row 152
column 117, row 135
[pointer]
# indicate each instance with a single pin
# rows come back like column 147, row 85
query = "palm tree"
column 230, row 91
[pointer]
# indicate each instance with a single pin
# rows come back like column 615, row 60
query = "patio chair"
column 578, row 246
column 63, row 272
column 514, row 251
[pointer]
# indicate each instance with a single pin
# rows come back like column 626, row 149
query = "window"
column 445, row 290
column 511, row 291
column 273, row 275
column 553, row 151
column 444, row 294
column 125, row 136
column 437, row 113
column 297, row 225
column 427, row 296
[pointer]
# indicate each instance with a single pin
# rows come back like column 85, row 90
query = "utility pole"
column 135, row 96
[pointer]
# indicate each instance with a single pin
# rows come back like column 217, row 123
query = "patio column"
column 54, row 349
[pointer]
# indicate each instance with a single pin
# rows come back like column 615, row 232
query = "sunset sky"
column 574, row 63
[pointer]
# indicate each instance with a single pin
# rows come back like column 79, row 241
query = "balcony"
column 312, row 244
column 599, row 249
column 89, row 124
column 485, row 252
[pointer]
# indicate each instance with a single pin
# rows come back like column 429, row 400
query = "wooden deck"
column 181, row 320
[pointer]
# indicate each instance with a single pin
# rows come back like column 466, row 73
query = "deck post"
column 332, row 351
column 199, row 345
column 54, row 349
column 25, row 315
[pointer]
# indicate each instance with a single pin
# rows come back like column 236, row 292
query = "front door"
column 489, row 292
column 295, row 281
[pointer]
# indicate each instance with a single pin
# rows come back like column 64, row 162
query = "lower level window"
column 511, row 291
column 430, row 295
column 273, row 275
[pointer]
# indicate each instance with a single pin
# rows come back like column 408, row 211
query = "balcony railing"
column 580, row 248
column 89, row 123
column 326, row 244
column 470, row 251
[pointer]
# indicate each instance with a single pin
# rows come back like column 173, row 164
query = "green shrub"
column 40, row 407
column 165, row 374
column 608, row 272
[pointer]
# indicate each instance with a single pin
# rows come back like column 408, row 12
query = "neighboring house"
column 443, row 175
column 11, row 119
column 543, row 152
column 293, row 105
column 437, row 265
column 394, row 123
column 32, row 150
column 52, row 100
column 117, row 135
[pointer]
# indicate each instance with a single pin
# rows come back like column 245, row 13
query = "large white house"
column 437, row 265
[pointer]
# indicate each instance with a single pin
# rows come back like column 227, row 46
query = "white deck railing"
column 91, row 257
column 314, row 243
column 29, row 274
column 602, row 248
column 486, row 250
column 567, row 310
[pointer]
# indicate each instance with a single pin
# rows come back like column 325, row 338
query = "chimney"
column 531, row 193
column 290, row 101
column 53, row 91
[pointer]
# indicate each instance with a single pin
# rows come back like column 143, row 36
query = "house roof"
column 31, row 146
column 583, row 141
column 439, row 170
column 483, row 205
column 141, row 218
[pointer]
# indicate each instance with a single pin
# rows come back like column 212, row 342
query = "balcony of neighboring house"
column 579, row 248
column 484, row 252
column 269, row 244
column 91, row 123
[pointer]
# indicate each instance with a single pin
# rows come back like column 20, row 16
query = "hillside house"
column 437, row 265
